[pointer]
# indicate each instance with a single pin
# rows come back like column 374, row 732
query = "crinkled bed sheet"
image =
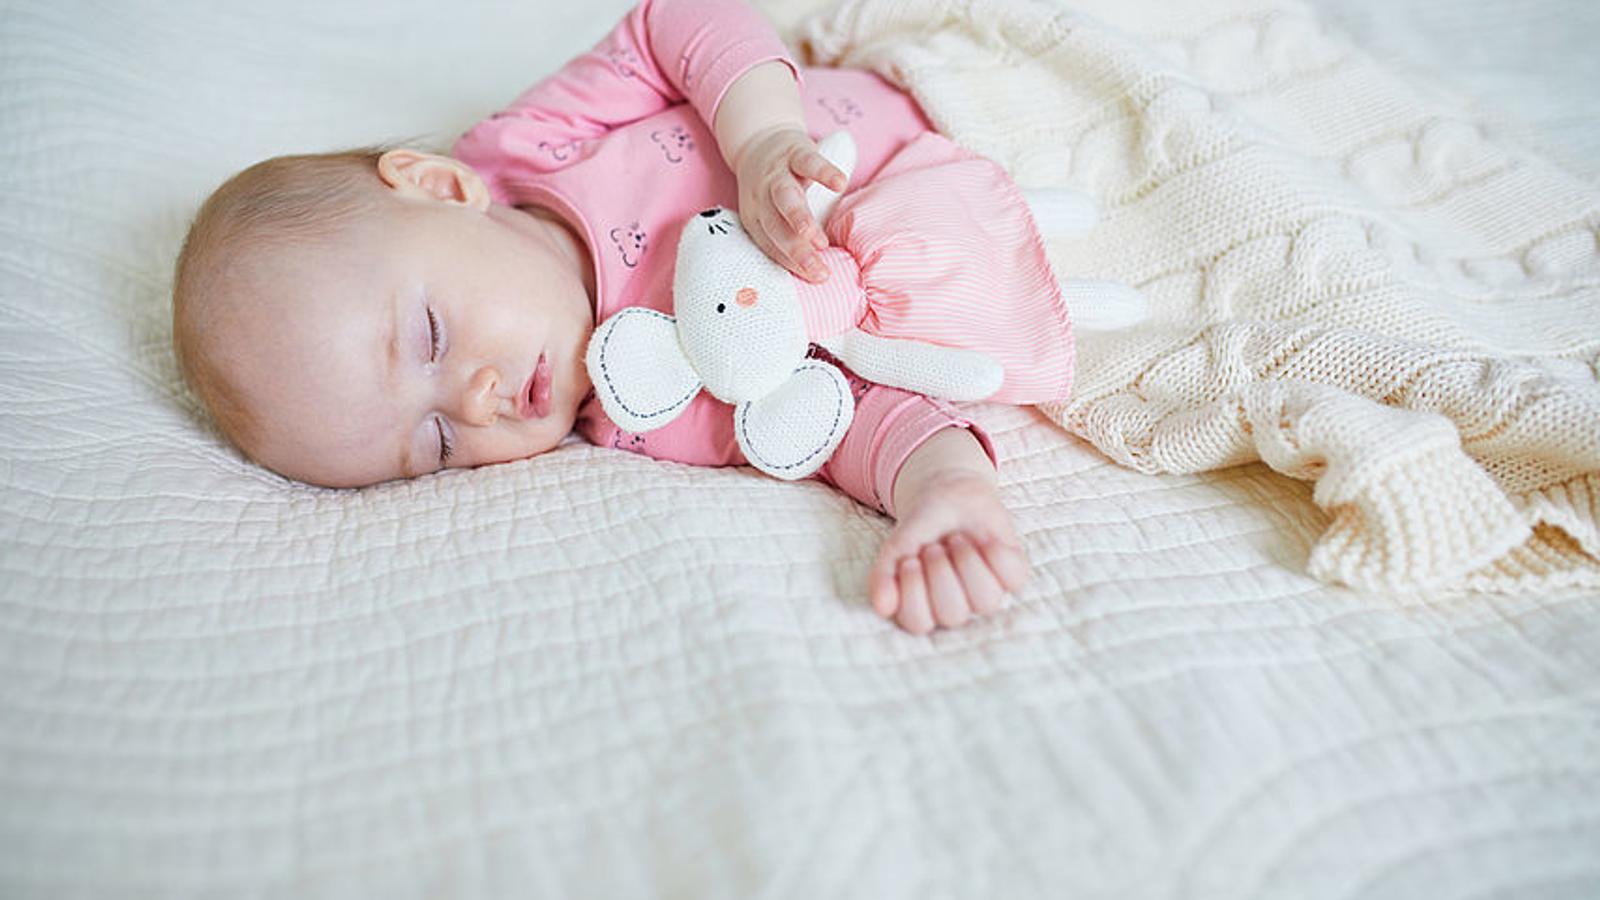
column 591, row 674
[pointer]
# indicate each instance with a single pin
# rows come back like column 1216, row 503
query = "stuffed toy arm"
column 916, row 366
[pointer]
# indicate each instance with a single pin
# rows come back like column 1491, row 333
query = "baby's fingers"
column 791, row 204
column 945, row 593
column 883, row 582
column 815, row 166
column 915, row 615
column 984, row 592
column 1008, row 563
column 793, row 255
column 882, row 589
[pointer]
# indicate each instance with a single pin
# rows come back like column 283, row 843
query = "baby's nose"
column 481, row 404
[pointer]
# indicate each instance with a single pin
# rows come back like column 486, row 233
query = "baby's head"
column 350, row 318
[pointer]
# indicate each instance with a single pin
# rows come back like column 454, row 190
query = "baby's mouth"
column 535, row 400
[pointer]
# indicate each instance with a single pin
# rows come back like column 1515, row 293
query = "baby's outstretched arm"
column 954, row 551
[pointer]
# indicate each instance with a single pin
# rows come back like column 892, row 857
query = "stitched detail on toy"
column 611, row 385
column 838, row 413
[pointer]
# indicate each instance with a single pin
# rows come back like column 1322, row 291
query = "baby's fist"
column 953, row 555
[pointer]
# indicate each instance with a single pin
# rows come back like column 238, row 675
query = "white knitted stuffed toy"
column 740, row 334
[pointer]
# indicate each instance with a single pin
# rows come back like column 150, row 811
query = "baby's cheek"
column 541, row 436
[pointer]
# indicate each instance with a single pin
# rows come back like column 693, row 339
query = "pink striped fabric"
column 940, row 247
column 838, row 304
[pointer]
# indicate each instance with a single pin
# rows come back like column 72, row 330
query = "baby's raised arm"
column 761, row 132
column 663, row 52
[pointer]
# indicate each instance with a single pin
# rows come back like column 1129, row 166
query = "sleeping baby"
column 356, row 317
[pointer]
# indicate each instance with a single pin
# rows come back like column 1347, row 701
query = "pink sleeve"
column 889, row 424
column 663, row 52
column 705, row 45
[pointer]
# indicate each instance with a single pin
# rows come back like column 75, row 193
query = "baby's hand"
column 953, row 554
column 772, row 169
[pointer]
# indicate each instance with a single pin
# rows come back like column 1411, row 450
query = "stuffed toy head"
column 739, row 320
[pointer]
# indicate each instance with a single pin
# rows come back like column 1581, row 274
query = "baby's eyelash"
column 433, row 335
column 445, row 447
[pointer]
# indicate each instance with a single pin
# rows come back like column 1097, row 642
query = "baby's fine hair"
column 273, row 206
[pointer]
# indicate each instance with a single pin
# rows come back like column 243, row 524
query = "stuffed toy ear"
column 792, row 431
column 1060, row 212
column 1093, row 305
column 838, row 148
column 1103, row 305
column 639, row 372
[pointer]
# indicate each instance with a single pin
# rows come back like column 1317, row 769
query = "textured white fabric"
column 597, row 675
column 1355, row 280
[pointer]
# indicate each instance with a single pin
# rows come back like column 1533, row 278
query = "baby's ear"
column 428, row 176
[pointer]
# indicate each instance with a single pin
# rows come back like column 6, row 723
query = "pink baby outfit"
column 930, row 241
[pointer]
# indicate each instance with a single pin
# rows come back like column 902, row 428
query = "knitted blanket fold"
column 1356, row 277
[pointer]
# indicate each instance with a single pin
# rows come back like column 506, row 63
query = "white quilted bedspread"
column 591, row 674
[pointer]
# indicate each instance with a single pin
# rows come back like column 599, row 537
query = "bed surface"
column 591, row 674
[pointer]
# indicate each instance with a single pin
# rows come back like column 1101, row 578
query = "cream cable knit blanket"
column 1355, row 278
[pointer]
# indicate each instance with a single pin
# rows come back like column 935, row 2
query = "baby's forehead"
column 295, row 312
column 329, row 270
column 312, row 367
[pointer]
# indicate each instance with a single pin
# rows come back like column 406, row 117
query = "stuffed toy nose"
column 746, row 297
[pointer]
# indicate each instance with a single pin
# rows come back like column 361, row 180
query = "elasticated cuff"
column 869, row 460
column 707, row 93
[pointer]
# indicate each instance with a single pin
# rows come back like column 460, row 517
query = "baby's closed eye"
column 446, row 448
column 433, row 336
column 435, row 352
